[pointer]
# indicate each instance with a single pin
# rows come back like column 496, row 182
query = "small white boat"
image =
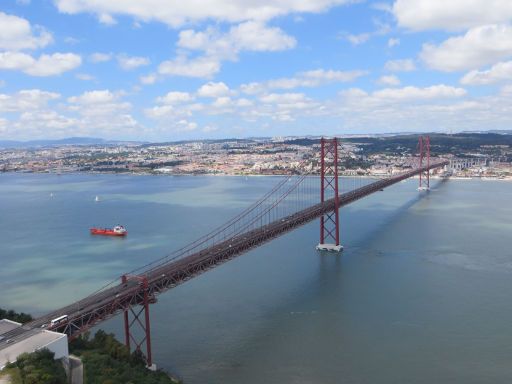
column 97, row 199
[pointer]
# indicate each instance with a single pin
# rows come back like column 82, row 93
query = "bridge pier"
column 329, row 222
column 144, row 324
column 424, row 152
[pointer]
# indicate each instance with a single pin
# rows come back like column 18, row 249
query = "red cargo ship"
column 118, row 230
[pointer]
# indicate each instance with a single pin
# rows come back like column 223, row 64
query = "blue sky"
column 170, row 70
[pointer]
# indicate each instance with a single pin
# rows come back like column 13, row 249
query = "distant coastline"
column 214, row 174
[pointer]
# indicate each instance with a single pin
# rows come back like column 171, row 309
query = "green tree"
column 40, row 367
column 14, row 316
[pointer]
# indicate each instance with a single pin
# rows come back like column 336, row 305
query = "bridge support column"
column 143, row 322
column 424, row 152
column 330, row 222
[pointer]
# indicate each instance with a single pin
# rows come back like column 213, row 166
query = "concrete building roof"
column 7, row 325
column 38, row 339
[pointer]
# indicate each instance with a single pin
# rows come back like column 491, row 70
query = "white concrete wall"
column 59, row 346
column 55, row 342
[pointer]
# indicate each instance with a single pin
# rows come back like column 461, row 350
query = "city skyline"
column 216, row 69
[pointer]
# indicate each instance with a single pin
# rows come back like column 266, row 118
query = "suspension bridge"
column 281, row 210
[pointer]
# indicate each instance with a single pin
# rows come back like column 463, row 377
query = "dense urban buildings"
column 486, row 155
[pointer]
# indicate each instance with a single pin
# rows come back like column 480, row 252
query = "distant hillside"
column 457, row 144
column 440, row 143
column 59, row 142
column 206, row 141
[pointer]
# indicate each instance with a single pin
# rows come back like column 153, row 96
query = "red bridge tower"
column 330, row 222
column 424, row 152
column 145, row 298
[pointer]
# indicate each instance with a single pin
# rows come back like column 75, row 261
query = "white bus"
column 58, row 320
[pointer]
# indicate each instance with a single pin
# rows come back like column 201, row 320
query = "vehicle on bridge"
column 58, row 320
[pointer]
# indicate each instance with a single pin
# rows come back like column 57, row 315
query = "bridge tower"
column 424, row 161
column 142, row 296
column 330, row 222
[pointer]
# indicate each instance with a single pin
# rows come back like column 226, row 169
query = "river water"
column 421, row 293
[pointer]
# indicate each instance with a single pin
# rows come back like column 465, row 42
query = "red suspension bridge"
column 281, row 210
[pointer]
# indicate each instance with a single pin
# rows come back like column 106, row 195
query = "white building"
column 31, row 341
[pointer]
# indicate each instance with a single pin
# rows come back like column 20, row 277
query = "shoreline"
column 484, row 178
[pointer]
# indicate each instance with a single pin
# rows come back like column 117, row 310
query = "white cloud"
column 451, row 15
column 358, row 39
column 34, row 113
column 480, row 46
column 105, row 18
column 247, row 36
column 402, row 65
column 15, row 60
column 93, row 97
column 222, row 102
column 284, row 107
column 322, row 75
column 84, row 76
column 393, row 42
column 148, row 79
column 363, row 112
column 506, row 90
column 309, row 79
column 45, row 65
column 170, row 119
column 209, row 128
column 501, row 71
column 172, row 109
column 415, row 93
column 47, row 120
column 71, row 40
column 131, row 62
column 100, row 57
column 217, row 46
column 25, row 100
column 175, row 98
column 214, row 90
column 273, row 106
column 255, row 36
column 17, row 34
column 4, row 124
column 390, row 80
column 185, row 126
column 243, row 102
column 409, row 108
column 37, row 123
column 201, row 67
column 177, row 13
column 55, row 64
column 252, row 88
column 393, row 97
column 281, row 98
column 103, row 111
column 158, row 112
